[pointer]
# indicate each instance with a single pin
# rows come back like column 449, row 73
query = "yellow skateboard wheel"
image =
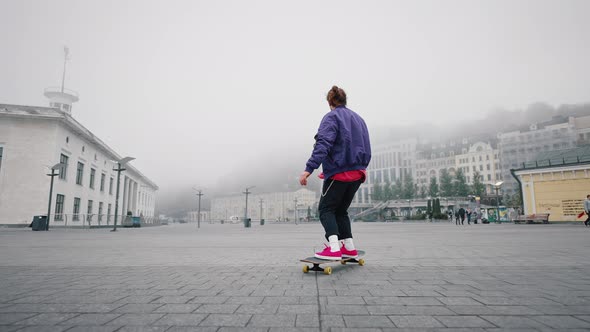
column 328, row 270
column 305, row 268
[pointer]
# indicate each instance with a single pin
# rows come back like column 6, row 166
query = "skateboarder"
column 343, row 149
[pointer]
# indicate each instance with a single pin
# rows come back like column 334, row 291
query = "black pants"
column 587, row 222
column 333, row 207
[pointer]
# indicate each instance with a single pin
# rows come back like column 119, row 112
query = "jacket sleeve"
column 325, row 139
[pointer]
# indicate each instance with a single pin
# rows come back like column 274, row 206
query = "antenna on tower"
column 66, row 58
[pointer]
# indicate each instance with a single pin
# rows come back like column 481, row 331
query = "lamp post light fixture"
column 57, row 167
column 119, row 169
column 199, row 193
column 497, row 187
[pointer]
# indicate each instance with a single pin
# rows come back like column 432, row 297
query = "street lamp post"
column 247, row 192
column 199, row 193
column 58, row 166
column 119, row 169
column 497, row 187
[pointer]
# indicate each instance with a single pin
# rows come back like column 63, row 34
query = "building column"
column 124, row 197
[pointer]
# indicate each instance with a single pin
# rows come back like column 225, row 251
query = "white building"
column 389, row 162
column 32, row 139
column 270, row 206
column 193, row 216
column 519, row 146
column 483, row 159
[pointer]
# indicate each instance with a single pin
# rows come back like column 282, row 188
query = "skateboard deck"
column 328, row 269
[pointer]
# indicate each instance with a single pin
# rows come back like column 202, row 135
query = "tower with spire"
column 60, row 97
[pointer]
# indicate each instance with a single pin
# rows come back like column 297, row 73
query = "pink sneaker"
column 328, row 254
column 348, row 253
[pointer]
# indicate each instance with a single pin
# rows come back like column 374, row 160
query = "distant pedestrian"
column 587, row 210
column 468, row 217
column 462, row 215
column 457, row 217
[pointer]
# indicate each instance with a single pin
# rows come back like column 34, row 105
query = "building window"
column 79, row 173
column 64, row 170
column 59, row 207
column 67, row 139
column 100, row 206
column 480, row 168
column 102, row 179
column 488, row 167
column 489, row 177
column 89, row 211
column 111, row 186
column 76, row 212
column 109, row 213
column 92, row 177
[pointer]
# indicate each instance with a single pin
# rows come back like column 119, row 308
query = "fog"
column 218, row 94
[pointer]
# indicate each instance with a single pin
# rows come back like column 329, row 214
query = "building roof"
column 38, row 112
column 579, row 155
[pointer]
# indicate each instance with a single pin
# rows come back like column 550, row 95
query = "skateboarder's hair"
column 336, row 97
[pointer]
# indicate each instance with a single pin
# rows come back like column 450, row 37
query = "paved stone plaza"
column 417, row 277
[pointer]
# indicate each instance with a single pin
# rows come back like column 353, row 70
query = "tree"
column 436, row 209
column 377, row 192
column 460, row 185
column 387, row 191
column 478, row 186
column 397, row 190
column 422, row 192
column 428, row 208
column 408, row 187
column 446, row 184
column 433, row 187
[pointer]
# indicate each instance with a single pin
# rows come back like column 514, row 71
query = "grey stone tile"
column 192, row 329
column 266, row 309
column 143, row 329
column 175, row 308
column 458, row 301
column 181, row 319
column 227, row 320
column 364, row 321
column 409, row 310
column 208, row 300
column 172, row 299
column 345, row 310
column 217, row 308
column 562, row 322
column 90, row 319
column 10, row 318
column 243, row 329
column 513, row 322
column 281, row 300
column 94, row 328
column 138, row 308
column 464, row 321
column 10, row 328
column 46, row 319
column 136, row 319
column 415, row 321
column 277, row 320
column 245, row 300
column 307, row 320
column 298, row 309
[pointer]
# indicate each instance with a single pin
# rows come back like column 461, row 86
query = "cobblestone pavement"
column 417, row 277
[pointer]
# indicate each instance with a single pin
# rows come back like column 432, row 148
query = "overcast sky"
column 191, row 88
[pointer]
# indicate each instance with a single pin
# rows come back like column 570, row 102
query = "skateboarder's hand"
column 303, row 178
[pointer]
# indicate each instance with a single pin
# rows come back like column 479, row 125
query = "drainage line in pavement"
column 317, row 287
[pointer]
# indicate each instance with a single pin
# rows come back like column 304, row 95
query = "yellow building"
column 556, row 185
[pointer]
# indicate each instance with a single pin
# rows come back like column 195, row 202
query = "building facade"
column 557, row 185
column 271, row 206
column 389, row 163
column 482, row 159
column 32, row 139
column 520, row 146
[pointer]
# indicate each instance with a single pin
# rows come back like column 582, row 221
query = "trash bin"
column 136, row 221
column 261, row 222
column 39, row 223
column 247, row 222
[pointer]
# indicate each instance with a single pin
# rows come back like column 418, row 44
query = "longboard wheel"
column 361, row 262
column 328, row 270
column 305, row 268
column 343, row 262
